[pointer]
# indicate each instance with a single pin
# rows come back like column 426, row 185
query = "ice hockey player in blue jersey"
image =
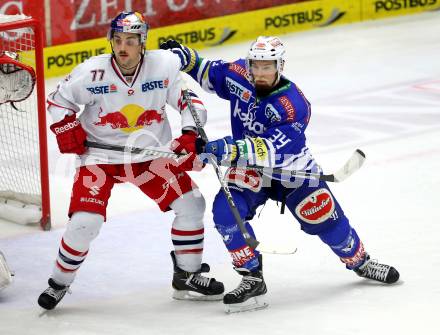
column 269, row 116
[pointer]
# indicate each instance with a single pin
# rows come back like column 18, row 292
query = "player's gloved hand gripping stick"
column 250, row 240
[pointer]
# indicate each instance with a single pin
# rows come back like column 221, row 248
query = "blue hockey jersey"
column 281, row 117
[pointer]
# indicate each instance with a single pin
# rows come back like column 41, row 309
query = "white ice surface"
column 374, row 86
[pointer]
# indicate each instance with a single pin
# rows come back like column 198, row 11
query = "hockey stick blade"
column 277, row 251
column 353, row 164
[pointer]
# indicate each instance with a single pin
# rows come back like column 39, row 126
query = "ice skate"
column 374, row 270
column 194, row 286
column 250, row 293
column 52, row 295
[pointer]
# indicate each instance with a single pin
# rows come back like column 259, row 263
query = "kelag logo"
column 315, row 16
column 208, row 36
column 391, row 5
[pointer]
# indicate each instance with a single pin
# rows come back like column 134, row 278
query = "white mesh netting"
column 20, row 178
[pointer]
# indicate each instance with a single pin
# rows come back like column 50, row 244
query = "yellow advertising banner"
column 379, row 9
column 60, row 60
column 269, row 21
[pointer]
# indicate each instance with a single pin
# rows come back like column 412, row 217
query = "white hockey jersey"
column 120, row 113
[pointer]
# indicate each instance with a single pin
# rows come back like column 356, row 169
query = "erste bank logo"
column 103, row 89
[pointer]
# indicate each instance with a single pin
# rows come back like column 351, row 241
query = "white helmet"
column 129, row 22
column 267, row 48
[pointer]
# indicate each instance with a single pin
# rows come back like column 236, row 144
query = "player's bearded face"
column 127, row 49
column 264, row 73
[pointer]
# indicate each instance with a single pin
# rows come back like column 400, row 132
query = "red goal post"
column 24, row 178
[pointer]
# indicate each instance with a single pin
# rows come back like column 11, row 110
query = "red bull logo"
column 130, row 118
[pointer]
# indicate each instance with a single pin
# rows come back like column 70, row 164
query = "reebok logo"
column 70, row 125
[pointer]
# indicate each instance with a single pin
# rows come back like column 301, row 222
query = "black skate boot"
column 194, row 286
column 52, row 295
column 249, row 295
column 372, row 269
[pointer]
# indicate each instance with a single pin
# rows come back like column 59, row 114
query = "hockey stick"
column 355, row 161
column 353, row 164
column 250, row 241
column 277, row 250
column 133, row 150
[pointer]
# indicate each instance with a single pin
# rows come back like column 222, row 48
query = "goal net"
column 24, row 184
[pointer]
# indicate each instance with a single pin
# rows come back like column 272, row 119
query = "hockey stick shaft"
column 156, row 153
column 250, row 240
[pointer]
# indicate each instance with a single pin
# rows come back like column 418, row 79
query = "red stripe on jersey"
column 117, row 71
column 189, row 251
column 179, row 102
column 62, row 268
column 187, row 232
column 73, row 251
column 50, row 103
column 195, row 101
column 138, row 70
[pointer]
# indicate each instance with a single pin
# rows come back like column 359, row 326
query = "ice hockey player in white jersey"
column 124, row 95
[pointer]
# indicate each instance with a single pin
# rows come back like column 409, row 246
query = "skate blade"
column 194, row 296
column 252, row 304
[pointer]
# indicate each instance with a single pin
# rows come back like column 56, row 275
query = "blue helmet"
column 129, row 22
